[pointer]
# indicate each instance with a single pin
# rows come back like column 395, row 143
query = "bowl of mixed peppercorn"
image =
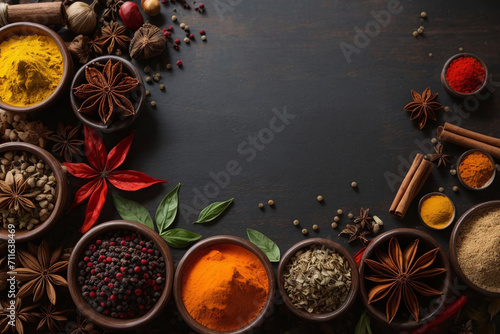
column 120, row 275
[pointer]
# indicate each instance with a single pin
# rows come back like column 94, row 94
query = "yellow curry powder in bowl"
column 436, row 210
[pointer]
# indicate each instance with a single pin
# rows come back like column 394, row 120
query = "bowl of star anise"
column 33, row 191
column 404, row 278
column 107, row 94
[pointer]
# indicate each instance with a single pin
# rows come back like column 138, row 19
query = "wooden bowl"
column 102, row 320
column 434, row 304
column 422, row 200
column 453, row 92
column 453, row 246
column 115, row 123
column 217, row 240
column 61, row 191
column 462, row 157
column 28, row 28
column 351, row 297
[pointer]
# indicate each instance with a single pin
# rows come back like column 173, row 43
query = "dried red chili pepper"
column 359, row 255
column 465, row 74
column 103, row 167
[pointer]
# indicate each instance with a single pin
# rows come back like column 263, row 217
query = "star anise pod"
column 51, row 317
column 355, row 233
column 67, row 142
column 423, row 107
column 15, row 193
column 40, row 272
column 439, row 156
column 22, row 315
column 112, row 8
column 113, row 35
column 105, row 92
column 398, row 277
column 364, row 221
column 95, row 46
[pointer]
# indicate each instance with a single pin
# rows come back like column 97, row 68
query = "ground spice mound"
column 478, row 249
column 224, row 287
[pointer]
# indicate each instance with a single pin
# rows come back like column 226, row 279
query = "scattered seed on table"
column 148, row 92
column 177, row 41
column 421, row 27
column 186, row 27
column 186, row 40
column 420, row 30
column 334, row 225
column 147, row 70
column 203, row 38
column 378, row 221
column 304, row 231
column 170, row 28
column 453, row 171
column 182, row 25
column 441, row 189
column 191, row 36
column 153, row 104
column 447, row 108
column 455, row 188
column 434, row 141
column 430, row 54
column 336, row 219
column 460, row 49
column 162, row 86
column 169, row 66
column 148, row 79
column 339, row 211
column 375, row 228
column 415, row 33
column 261, row 205
column 296, row 222
column 315, row 227
column 350, row 215
column 174, row 18
column 423, row 15
column 319, row 198
column 270, row 202
column 179, row 63
column 202, row 32
column 156, row 78
column 354, row 184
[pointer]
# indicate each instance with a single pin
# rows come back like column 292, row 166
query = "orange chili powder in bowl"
column 476, row 169
column 223, row 286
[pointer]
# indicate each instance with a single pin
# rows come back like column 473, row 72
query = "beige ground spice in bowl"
column 475, row 248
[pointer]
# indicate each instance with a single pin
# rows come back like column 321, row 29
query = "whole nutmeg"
column 148, row 42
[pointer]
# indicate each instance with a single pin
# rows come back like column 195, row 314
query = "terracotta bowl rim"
column 453, row 248
column 353, row 293
column 61, row 191
column 453, row 92
column 406, row 233
column 104, row 321
column 36, row 28
column 215, row 240
column 117, row 125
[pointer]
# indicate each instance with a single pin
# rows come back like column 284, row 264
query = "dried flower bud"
column 148, row 42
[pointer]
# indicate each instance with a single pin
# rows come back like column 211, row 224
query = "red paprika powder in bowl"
column 463, row 75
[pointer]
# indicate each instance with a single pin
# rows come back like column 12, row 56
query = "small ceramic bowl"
column 453, row 92
column 101, row 320
column 462, row 157
column 220, row 240
column 116, row 123
column 424, row 198
column 429, row 306
column 465, row 219
column 351, row 297
column 28, row 28
column 23, row 235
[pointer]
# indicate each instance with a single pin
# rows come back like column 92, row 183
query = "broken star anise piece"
column 355, row 233
column 67, row 142
column 112, row 7
column 113, row 36
column 105, row 92
column 21, row 316
column 423, row 107
column 398, row 276
column 148, row 42
column 439, row 156
column 15, row 193
column 50, row 317
column 364, row 221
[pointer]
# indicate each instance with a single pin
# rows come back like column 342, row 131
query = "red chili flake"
column 128, row 292
column 202, row 32
column 179, row 63
column 102, row 167
column 92, row 294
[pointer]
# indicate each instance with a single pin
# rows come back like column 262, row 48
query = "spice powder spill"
column 317, row 280
column 478, row 249
column 31, row 68
column 224, row 287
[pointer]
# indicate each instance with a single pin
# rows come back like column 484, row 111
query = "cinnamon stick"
column 46, row 13
column 470, row 139
column 411, row 185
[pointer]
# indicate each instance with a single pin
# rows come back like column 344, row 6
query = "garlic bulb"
column 81, row 18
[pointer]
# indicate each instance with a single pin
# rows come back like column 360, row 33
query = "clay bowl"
column 429, row 306
column 465, row 154
column 116, row 123
column 453, row 245
column 354, row 276
column 424, row 198
column 453, row 92
column 102, row 320
column 23, row 235
column 28, row 28
column 217, row 240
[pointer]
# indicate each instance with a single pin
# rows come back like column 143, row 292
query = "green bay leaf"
column 265, row 244
column 213, row 211
column 179, row 238
column 133, row 211
column 167, row 210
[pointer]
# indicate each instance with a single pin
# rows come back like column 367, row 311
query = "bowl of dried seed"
column 33, row 191
column 107, row 94
column 318, row 279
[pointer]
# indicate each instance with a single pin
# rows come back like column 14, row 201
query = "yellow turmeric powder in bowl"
column 31, row 68
column 436, row 211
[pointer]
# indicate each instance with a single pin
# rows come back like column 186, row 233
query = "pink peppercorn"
column 122, row 269
column 123, row 242
column 109, row 259
column 98, row 242
column 103, row 304
column 106, row 312
column 119, row 276
column 90, row 264
column 201, row 5
column 86, row 258
column 110, row 285
column 191, row 36
column 202, row 32
column 106, row 279
column 137, row 269
column 102, row 294
column 177, row 41
column 138, row 292
column 127, row 255
column 113, row 297
column 150, row 251
column 144, row 261
column 157, row 287
column 179, row 63
column 92, row 294
column 112, row 243
column 92, row 272
column 141, row 307
column 171, row 28
column 145, row 276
